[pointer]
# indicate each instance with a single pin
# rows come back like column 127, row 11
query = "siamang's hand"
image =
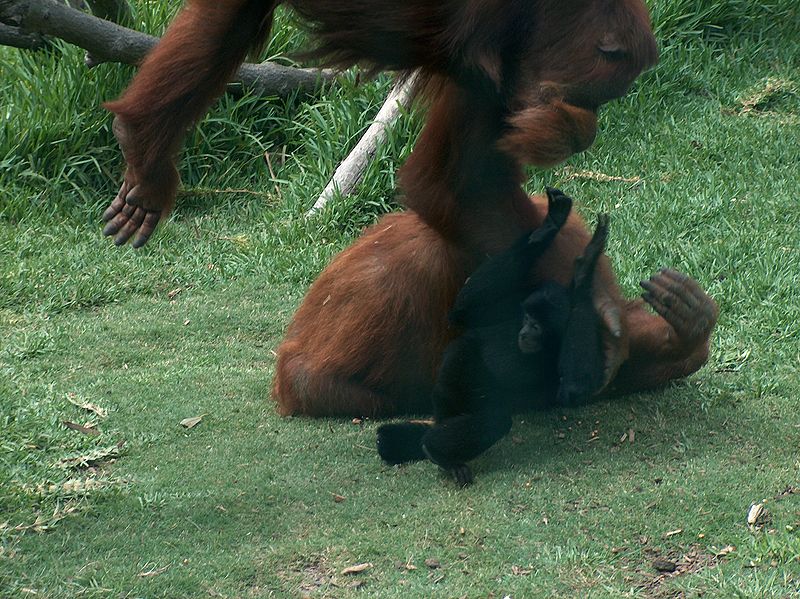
column 615, row 344
column 458, row 470
column 558, row 208
column 462, row 475
column 145, row 197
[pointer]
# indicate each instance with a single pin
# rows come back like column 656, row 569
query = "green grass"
column 245, row 504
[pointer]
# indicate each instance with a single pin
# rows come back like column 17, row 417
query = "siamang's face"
column 583, row 53
column 530, row 335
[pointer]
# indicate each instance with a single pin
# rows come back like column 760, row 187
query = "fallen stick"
column 351, row 170
column 16, row 38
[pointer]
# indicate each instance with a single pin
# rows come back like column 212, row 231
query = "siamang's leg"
column 508, row 272
column 673, row 343
column 453, row 441
column 174, row 86
column 586, row 263
column 581, row 360
column 402, row 441
column 608, row 301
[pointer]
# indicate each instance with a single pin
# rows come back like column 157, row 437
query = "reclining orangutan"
column 369, row 336
column 520, row 50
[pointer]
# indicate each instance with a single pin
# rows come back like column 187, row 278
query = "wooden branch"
column 351, row 170
column 116, row 11
column 269, row 78
column 15, row 37
column 109, row 42
column 102, row 38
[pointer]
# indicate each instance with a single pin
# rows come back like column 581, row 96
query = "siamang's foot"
column 598, row 242
column 401, row 442
column 683, row 304
column 462, row 475
column 585, row 264
column 558, row 206
column 144, row 197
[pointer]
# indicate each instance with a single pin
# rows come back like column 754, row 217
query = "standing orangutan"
column 515, row 48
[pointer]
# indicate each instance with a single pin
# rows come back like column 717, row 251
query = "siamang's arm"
column 581, row 363
column 506, row 273
column 469, row 417
column 471, row 414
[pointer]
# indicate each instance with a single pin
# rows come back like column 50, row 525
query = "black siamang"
column 519, row 350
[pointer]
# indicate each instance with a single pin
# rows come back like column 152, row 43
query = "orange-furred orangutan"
column 369, row 336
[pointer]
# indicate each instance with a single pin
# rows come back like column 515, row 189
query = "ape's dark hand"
column 462, row 475
column 146, row 196
column 615, row 344
column 458, row 470
column 558, row 209
column 124, row 219
column 683, row 304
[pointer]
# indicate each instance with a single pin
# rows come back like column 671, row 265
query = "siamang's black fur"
column 519, row 350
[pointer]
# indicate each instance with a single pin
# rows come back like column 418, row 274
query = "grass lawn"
column 703, row 159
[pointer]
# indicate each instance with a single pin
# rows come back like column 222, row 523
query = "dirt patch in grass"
column 773, row 99
column 659, row 570
column 316, row 577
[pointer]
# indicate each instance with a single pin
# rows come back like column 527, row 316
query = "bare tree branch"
column 352, row 168
column 110, row 42
column 102, row 38
column 14, row 36
column 116, row 11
